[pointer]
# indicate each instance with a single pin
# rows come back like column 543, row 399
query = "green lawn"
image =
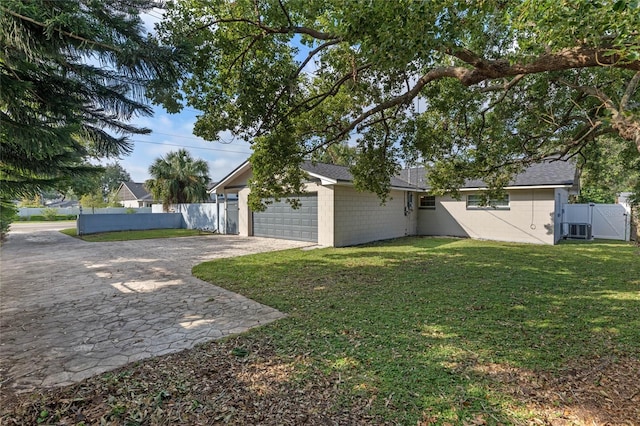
column 416, row 331
column 134, row 235
column 418, row 327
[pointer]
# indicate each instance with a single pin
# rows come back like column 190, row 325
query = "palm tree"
column 178, row 178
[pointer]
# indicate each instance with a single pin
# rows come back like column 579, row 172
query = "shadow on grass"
column 408, row 321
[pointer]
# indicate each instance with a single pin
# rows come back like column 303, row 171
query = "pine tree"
column 72, row 74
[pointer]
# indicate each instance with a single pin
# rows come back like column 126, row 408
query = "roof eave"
column 550, row 186
column 394, row 187
column 237, row 171
column 323, row 179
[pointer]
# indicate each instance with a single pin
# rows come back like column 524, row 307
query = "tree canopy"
column 470, row 88
column 178, row 178
column 339, row 153
column 73, row 73
column 114, row 174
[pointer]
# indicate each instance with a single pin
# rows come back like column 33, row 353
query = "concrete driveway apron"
column 71, row 309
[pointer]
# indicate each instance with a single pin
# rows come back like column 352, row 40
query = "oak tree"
column 473, row 89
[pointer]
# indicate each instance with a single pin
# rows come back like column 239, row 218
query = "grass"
column 414, row 325
column 134, row 235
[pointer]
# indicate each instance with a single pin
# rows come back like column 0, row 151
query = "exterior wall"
column 91, row 224
column 529, row 219
column 131, row 204
column 124, row 194
column 561, row 198
column 326, row 223
column 244, row 213
column 239, row 181
column 359, row 218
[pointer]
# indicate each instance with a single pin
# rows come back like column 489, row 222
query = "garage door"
column 280, row 220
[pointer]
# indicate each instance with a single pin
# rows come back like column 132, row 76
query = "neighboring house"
column 134, row 195
column 334, row 213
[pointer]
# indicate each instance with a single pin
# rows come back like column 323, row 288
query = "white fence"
column 607, row 221
column 207, row 216
column 63, row 211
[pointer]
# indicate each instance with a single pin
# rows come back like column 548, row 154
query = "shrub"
column 130, row 211
column 8, row 213
column 49, row 213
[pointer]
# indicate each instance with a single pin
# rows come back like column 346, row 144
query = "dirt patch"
column 244, row 381
column 230, row 382
column 601, row 391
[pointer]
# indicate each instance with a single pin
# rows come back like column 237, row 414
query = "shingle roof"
column 547, row 173
column 138, row 190
column 342, row 174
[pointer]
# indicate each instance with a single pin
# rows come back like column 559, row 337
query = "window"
column 476, row 202
column 427, row 202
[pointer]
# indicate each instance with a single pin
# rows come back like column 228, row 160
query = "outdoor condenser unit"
column 580, row 230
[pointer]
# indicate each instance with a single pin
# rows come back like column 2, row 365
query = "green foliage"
column 612, row 169
column 471, row 89
column 73, row 73
column 8, row 214
column 33, row 201
column 93, row 201
column 178, row 178
column 49, row 213
column 596, row 195
column 114, row 174
column 340, row 153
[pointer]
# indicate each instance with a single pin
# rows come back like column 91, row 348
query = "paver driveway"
column 71, row 309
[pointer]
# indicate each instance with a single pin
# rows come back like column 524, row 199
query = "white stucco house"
column 134, row 195
column 334, row 213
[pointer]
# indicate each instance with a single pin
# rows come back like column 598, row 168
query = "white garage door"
column 280, row 220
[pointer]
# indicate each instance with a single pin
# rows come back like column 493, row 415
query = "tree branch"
column 322, row 96
column 313, row 53
column 286, row 13
column 574, row 58
column 631, row 88
column 627, row 127
column 506, row 86
column 407, row 97
column 319, row 35
column 68, row 34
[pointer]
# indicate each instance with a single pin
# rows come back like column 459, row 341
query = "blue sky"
column 174, row 131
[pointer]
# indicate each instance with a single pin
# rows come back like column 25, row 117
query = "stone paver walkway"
column 71, row 309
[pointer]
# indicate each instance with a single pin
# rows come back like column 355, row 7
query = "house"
column 334, row 213
column 134, row 195
column 530, row 212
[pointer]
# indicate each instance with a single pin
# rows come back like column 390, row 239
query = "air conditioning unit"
column 580, row 231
